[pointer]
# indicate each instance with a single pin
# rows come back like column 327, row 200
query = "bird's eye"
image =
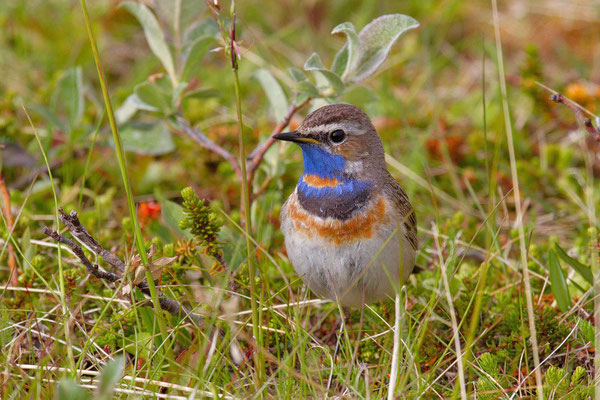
column 337, row 136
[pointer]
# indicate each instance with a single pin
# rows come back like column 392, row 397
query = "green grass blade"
column 558, row 283
column 125, row 175
column 582, row 269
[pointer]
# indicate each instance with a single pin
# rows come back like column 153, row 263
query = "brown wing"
column 406, row 211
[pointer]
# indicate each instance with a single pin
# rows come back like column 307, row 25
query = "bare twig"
column 12, row 261
column 259, row 152
column 92, row 269
column 72, row 222
column 257, row 155
column 559, row 98
column 208, row 144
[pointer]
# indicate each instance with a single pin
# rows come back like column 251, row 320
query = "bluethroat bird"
column 350, row 230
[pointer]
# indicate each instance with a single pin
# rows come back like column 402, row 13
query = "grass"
column 497, row 175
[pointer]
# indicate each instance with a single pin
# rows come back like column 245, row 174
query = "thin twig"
column 79, row 231
column 595, row 132
column 92, row 269
column 72, row 222
column 208, row 144
column 258, row 153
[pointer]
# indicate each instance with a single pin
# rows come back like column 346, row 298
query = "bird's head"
column 339, row 140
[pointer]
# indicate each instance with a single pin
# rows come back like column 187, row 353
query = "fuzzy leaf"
column 130, row 106
column 275, row 94
column 110, row 377
column 194, row 54
column 157, row 94
column 189, row 10
column 68, row 96
column 147, row 138
column 353, row 49
column 323, row 75
column 69, row 390
column 376, row 40
column 558, row 283
column 297, row 75
column 582, row 269
column 340, row 61
column 154, row 35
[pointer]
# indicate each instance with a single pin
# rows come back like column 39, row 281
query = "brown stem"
column 79, row 231
column 208, row 144
column 255, row 158
column 12, row 261
column 71, row 221
column 258, row 154
column 559, row 98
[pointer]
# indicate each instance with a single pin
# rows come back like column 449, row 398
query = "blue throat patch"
column 326, row 165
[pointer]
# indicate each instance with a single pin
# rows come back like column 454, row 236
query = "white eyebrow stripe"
column 348, row 126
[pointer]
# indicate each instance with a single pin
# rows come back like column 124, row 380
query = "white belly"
column 373, row 264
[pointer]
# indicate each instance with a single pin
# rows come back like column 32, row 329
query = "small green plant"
column 202, row 223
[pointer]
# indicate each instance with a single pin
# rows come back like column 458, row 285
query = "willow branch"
column 71, row 221
column 594, row 132
column 258, row 154
column 199, row 137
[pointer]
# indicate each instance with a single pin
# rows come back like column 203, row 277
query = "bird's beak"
column 295, row 137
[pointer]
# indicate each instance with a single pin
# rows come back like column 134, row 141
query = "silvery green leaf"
column 340, row 61
column 110, row 377
column 313, row 63
column 193, row 54
column 353, row 49
column 68, row 96
column 324, row 77
column 147, row 139
column 275, row 94
column 304, row 88
column 130, row 106
column 157, row 94
column 177, row 93
column 297, row 75
column 154, row 35
column 179, row 14
column 376, row 40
